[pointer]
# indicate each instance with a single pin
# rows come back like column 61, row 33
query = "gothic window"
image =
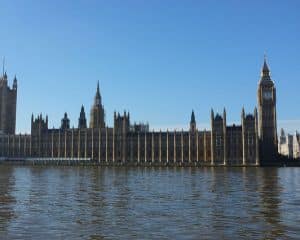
column 218, row 140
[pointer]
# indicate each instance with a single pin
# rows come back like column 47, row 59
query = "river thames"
column 149, row 203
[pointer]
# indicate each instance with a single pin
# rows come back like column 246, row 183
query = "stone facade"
column 119, row 144
column 225, row 145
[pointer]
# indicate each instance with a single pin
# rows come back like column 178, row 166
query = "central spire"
column 193, row 122
column 97, row 100
column 97, row 113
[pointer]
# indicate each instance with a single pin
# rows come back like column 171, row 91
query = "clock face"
column 267, row 94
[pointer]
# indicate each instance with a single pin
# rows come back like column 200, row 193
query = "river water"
column 149, row 203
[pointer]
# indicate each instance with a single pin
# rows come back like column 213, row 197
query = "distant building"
column 289, row 145
column 252, row 142
column 65, row 122
column 296, row 145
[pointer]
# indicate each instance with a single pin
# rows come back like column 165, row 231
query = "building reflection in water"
column 246, row 202
column 7, row 200
column 270, row 202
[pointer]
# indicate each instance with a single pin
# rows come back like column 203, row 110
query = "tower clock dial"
column 267, row 94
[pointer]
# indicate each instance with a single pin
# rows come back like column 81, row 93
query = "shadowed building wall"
column 8, row 104
column 267, row 116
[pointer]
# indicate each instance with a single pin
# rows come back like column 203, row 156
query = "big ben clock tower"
column 267, row 116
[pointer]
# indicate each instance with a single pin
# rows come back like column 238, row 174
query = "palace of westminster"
column 253, row 142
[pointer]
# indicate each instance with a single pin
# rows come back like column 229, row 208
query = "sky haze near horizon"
column 156, row 59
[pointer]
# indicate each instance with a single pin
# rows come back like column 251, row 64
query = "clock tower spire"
column 266, row 95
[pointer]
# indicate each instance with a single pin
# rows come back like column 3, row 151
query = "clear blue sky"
column 157, row 59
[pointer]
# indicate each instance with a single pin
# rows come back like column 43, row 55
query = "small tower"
column 121, row 129
column 282, row 137
column 218, row 135
column 193, row 122
column 39, row 125
column 5, row 77
column 39, row 128
column 82, row 118
column 121, row 123
column 250, row 138
column 15, row 83
column 65, row 122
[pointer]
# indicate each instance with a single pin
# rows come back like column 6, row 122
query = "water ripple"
column 149, row 203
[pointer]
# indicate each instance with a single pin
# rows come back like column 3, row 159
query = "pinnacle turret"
column 15, row 83
column 265, row 71
column 82, row 119
column 65, row 122
column 193, row 122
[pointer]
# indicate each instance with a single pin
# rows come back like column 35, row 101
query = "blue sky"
column 157, row 59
